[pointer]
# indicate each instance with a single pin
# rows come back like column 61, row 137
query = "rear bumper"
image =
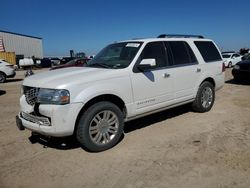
column 220, row 80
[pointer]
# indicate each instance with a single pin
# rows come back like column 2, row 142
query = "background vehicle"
column 45, row 62
column 65, row 60
column 125, row 81
column 231, row 59
column 246, row 57
column 55, row 61
column 241, row 70
column 72, row 63
column 26, row 62
column 6, row 71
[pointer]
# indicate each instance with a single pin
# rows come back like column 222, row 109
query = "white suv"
column 6, row 71
column 125, row 81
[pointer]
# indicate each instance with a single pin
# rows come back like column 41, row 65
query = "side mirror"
column 147, row 64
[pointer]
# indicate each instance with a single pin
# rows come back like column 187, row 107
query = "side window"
column 181, row 53
column 208, row 51
column 155, row 50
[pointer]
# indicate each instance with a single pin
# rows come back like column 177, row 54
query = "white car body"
column 230, row 59
column 142, row 92
column 7, row 69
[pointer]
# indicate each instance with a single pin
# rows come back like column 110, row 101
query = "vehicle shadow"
column 155, row 118
column 232, row 81
column 64, row 143
column 2, row 92
column 68, row 143
column 13, row 80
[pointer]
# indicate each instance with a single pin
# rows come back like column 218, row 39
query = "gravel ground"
column 174, row 148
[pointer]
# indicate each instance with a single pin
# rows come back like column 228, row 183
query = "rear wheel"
column 2, row 77
column 100, row 127
column 205, row 97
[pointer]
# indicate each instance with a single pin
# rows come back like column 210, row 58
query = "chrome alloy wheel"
column 207, row 97
column 103, row 127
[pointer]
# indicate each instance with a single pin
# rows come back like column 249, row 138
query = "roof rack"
column 179, row 36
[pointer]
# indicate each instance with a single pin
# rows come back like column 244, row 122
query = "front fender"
column 121, row 88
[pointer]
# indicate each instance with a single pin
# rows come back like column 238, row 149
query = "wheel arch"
column 209, row 79
column 3, row 73
column 104, row 97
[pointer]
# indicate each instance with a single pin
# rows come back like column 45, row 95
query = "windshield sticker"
column 135, row 45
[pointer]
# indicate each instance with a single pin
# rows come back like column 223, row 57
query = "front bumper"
column 53, row 120
column 12, row 75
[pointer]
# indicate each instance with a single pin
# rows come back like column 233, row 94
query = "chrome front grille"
column 36, row 119
column 30, row 94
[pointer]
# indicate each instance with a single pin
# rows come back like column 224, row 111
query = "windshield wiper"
column 99, row 65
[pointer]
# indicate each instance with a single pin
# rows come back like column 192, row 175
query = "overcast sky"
column 88, row 26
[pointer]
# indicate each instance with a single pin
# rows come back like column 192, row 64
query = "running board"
column 158, row 110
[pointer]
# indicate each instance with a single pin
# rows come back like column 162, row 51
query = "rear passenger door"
column 185, row 68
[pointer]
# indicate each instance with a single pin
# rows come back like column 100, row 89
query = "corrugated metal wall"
column 22, row 45
column 10, row 57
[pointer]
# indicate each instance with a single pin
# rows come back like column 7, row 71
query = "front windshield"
column 226, row 56
column 118, row 55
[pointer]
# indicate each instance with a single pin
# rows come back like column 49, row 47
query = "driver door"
column 152, row 88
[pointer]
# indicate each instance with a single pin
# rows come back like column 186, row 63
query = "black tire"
column 237, row 80
column 2, row 77
column 230, row 64
column 89, row 118
column 199, row 105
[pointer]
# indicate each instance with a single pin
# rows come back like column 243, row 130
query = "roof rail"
column 179, row 36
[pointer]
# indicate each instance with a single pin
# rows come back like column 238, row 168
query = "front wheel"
column 2, row 77
column 205, row 97
column 100, row 127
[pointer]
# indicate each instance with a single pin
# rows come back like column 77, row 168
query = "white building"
column 22, row 45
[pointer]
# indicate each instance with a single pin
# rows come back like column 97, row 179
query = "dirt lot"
column 174, row 148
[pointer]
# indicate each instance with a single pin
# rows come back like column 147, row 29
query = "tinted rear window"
column 208, row 51
column 181, row 52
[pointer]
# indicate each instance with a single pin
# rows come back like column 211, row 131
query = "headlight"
column 237, row 67
column 53, row 96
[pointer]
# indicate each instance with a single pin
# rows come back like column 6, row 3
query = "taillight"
column 223, row 67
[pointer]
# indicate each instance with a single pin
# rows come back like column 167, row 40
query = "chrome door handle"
column 166, row 75
column 198, row 70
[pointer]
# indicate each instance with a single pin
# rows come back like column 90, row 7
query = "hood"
column 61, row 66
column 63, row 78
column 4, row 63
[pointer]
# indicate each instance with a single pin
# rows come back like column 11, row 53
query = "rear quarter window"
column 208, row 51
